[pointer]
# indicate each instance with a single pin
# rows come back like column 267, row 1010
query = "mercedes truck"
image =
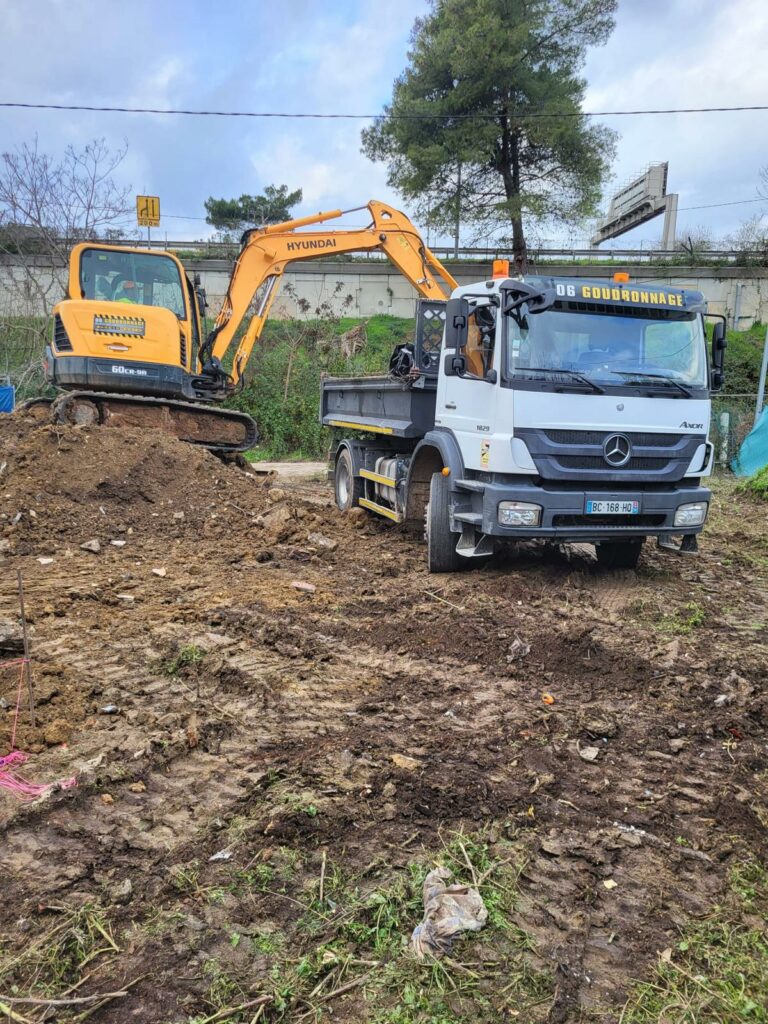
column 564, row 409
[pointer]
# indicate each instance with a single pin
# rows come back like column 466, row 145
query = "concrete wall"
column 376, row 287
column 379, row 288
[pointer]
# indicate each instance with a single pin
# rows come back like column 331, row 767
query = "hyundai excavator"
column 128, row 346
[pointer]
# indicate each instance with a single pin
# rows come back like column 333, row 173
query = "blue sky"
column 341, row 56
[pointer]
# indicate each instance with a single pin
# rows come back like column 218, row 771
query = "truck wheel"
column 620, row 554
column 348, row 488
column 441, row 541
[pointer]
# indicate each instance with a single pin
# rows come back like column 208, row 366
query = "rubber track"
column 98, row 397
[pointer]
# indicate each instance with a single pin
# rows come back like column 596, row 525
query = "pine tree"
column 272, row 207
column 478, row 71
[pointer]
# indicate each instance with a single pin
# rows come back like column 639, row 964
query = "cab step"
column 381, row 510
column 377, row 478
column 471, row 518
column 471, row 485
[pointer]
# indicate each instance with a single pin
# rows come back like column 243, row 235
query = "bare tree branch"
column 46, row 206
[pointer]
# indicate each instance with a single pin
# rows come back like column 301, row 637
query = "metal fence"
column 733, row 417
column 739, row 257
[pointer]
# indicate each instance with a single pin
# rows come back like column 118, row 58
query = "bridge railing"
column 739, row 257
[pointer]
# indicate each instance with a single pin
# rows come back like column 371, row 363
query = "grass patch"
column 188, row 657
column 59, row 959
column 223, row 990
column 718, row 972
column 684, row 620
column 363, row 940
column 350, row 939
column 22, row 347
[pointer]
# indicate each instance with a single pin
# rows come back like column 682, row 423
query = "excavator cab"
column 125, row 349
column 129, row 313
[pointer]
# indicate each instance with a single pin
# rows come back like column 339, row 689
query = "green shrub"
column 742, row 360
column 758, row 483
column 283, row 393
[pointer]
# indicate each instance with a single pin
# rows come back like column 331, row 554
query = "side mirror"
column 454, row 366
column 491, row 377
column 456, row 323
column 202, row 301
column 719, row 345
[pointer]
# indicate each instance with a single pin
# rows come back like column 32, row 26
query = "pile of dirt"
column 72, row 485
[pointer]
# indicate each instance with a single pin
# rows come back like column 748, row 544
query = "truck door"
column 466, row 403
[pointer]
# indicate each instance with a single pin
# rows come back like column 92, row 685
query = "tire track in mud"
column 314, row 694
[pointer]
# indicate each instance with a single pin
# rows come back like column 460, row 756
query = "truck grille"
column 61, row 340
column 598, row 462
column 641, row 520
column 183, row 351
column 579, row 455
column 598, row 436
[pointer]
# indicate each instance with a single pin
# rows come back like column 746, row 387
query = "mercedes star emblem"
column 617, row 450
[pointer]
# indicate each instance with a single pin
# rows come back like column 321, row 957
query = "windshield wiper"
column 654, row 377
column 567, row 373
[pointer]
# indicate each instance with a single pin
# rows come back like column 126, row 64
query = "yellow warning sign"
column 148, row 211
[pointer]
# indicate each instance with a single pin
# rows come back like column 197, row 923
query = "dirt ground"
column 238, row 671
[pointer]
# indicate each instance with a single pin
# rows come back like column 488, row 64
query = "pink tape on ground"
column 21, row 787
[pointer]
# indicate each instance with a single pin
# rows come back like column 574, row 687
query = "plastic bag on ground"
column 448, row 910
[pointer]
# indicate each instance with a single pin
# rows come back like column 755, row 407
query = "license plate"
column 613, row 508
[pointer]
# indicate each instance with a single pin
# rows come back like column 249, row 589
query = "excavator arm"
column 267, row 252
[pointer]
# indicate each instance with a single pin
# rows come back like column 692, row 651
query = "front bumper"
column 563, row 510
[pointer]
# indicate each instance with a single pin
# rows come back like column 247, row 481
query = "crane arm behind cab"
column 266, row 252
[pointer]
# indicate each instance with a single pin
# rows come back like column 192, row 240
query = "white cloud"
column 342, row 56
column 330, row 171
column 688, row 54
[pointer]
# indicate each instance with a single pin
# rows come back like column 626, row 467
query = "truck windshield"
column 639, row 347
column 142, row 279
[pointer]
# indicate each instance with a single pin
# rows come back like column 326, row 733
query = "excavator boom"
column 266, row 253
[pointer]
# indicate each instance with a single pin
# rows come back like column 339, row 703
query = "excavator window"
column 143, row 279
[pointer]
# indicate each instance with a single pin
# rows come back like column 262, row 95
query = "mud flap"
column 473, row 544
column 688, row 546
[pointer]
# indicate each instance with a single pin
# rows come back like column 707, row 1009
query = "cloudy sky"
column 332, row 56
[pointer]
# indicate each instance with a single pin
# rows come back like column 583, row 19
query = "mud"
column 244, row 703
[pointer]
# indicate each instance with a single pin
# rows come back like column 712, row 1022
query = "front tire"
column 621, row 554
column 348, row 488
column 441, row 541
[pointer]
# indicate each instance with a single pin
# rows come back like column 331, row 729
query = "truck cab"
column 569, row 410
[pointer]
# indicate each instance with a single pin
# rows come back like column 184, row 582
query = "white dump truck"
column 566, row 409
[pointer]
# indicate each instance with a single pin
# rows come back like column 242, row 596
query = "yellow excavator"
column 128, row 346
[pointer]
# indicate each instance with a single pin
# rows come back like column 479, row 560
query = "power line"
column 709, row 206
column 524, row 113
column 705, row 206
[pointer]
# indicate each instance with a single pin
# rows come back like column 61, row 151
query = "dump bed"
column 380, row 404
column 386, row 404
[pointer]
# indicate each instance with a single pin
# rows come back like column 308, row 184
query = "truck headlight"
column 519, row 513
column 692, row 514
